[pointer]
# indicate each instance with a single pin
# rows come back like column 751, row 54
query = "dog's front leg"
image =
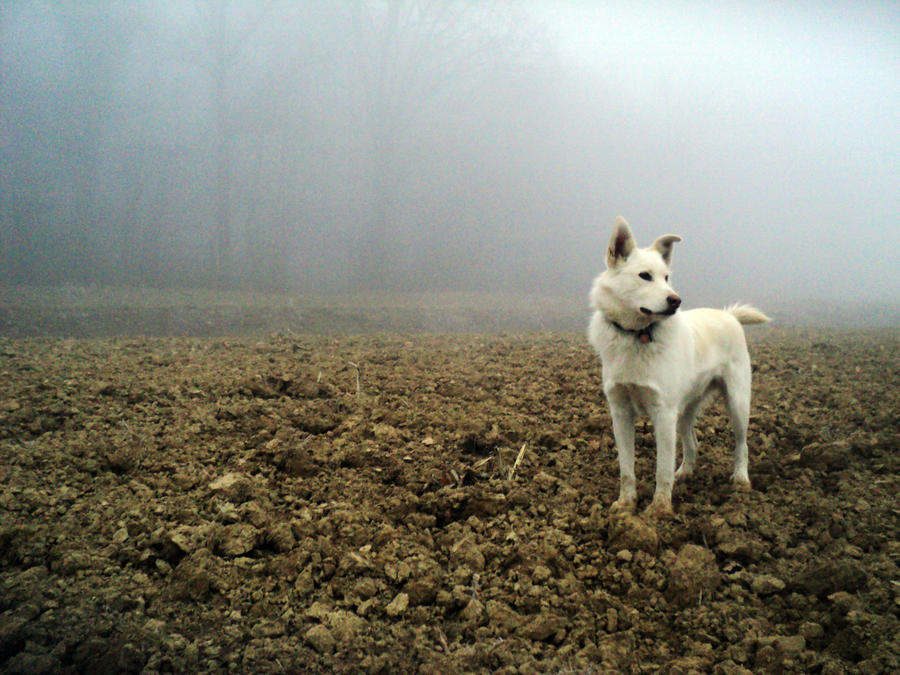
column 664, row 425
column 623, row 430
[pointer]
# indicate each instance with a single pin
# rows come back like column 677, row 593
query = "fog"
column 451, row 145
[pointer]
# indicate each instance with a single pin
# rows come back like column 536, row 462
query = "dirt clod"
column 629, row 532
column 694, row 574
column 830, row 576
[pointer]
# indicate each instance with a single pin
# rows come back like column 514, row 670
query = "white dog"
column 664, row 363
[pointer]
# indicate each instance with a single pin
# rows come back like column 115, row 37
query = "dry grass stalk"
column 515, row 466
column 355, row 366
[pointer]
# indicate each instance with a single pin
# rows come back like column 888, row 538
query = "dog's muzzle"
column 673, row 302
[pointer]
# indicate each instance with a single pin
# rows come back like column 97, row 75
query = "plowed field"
column 436, row 504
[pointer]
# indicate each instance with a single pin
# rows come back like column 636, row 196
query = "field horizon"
column 106, row 311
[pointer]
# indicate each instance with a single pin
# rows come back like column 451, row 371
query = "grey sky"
column 766, row 133
column 485, row 145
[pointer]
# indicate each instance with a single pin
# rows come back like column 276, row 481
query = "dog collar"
column 643, row 335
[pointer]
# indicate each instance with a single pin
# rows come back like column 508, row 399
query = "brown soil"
column 435, row 504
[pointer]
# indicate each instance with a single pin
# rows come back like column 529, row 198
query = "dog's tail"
column 747, row 314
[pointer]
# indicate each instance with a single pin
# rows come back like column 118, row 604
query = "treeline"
column 279, row 144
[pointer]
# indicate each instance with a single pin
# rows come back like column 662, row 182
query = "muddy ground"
column 435, row 504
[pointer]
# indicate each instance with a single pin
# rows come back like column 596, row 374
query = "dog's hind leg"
column 688, row 441
column 737, row 400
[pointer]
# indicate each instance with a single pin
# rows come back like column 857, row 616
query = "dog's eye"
column 646, row 276
column 667, row 277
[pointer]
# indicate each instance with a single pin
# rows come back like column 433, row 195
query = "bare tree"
column 413, row 56
column 224, row 34
column 97, row 36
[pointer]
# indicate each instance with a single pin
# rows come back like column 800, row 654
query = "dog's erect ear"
column 621, row 244
column 664, row 245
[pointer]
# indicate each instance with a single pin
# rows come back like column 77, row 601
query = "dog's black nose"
column 674, row 301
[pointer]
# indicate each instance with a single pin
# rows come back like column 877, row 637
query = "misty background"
column 434, row 145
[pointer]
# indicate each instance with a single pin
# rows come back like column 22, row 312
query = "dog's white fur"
column 665, row 363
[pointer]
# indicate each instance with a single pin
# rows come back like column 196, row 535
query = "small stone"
column 568, row 495
column 345, row 625
column 398, row 571
column 422, row 590
column 472, row 612
column 72, row 561
column 155, row 626
column 792, row 644
column 238, row 539
column 843, row 601
column 305, row 583
column 318, row 611
column 385, row 432
column 398, row 605
column 502, row 615
column 767, row 584
column 178, row 539
column 191, row 579
column 281, row 537
column 465, row 552
column 544, row 480
column 235, row 487
column 543, row 626
column 263, row 628
column 741, row 546
column 612, row 620
column 766, row 658
column 365, row 587
column 253, row 513
column 541, row 573
column 320, row 638
column 811, row 630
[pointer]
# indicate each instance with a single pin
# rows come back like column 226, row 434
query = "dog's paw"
column 623, row 505
column 684, row 472
column 741, row 483
column 660, row 507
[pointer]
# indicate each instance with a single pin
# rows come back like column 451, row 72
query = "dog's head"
column 634, row 290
